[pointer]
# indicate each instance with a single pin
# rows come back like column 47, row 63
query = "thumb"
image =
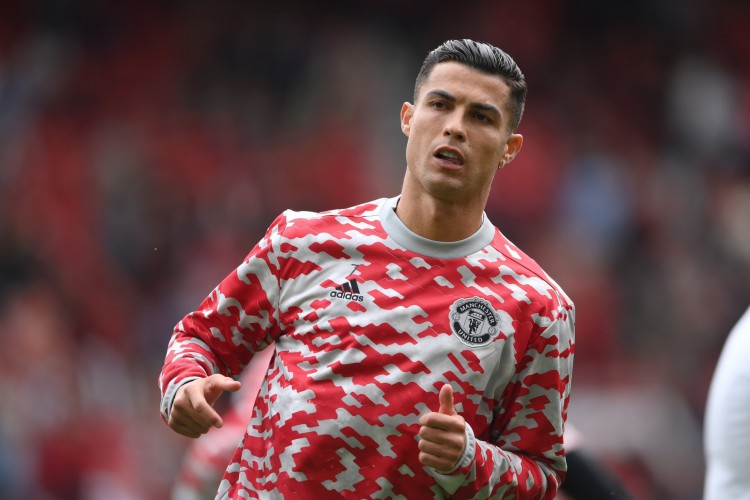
column 216, row 384
column 446, row 401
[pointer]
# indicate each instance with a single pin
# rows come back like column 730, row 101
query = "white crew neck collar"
column 410, row 240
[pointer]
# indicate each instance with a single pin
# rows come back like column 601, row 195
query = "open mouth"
column 449, row 156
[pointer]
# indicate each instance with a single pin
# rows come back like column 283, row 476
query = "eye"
column 438, row 105
column 483, row 117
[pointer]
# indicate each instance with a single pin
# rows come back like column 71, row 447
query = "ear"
column 407, row 111
column 512, row 147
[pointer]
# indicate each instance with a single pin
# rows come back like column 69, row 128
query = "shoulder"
column 294, row 230
column 295, row 224
column 541, row 284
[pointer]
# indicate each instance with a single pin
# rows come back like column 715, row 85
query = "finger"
column 187, row 418
column 180, row 419
column 453, row 440
column 446, row 401
column 216, row 384
column 217, row 381
column 185, row 431
column 204, row 414
column 448, row 451
column 437, row 463
column 449, row 423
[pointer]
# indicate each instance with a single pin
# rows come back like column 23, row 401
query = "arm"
column 523, row 455
column 213, row 344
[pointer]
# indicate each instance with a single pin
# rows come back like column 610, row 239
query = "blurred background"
column 146, row 146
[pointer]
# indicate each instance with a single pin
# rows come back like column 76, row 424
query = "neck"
column 439, row 220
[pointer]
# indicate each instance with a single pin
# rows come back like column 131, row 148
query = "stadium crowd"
column 145, row 147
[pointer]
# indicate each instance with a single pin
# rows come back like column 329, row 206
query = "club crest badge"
column 474, row 321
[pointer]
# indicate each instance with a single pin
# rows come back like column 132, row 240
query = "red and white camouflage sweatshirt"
column 369, row 320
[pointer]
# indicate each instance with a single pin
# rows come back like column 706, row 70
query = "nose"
column 454, row 127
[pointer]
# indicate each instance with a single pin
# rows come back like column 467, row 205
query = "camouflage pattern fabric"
column 369, row 321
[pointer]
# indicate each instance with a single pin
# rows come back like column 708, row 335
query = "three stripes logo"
column 348, row 291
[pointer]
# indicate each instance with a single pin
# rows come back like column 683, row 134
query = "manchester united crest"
column 474, row 321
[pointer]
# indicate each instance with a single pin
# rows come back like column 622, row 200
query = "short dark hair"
column 483, row 57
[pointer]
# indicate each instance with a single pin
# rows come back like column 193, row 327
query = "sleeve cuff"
column 451, row 480
column 468, row 455
column 167, row 399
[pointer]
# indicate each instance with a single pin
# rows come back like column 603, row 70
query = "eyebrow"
column 475, row 105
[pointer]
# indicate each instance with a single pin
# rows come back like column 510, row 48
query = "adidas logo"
column 348, row 291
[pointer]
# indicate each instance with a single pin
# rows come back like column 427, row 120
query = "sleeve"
column 524, row 456
column 238, row 319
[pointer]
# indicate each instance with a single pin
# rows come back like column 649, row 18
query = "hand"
column 192, row 410
column 443, row 434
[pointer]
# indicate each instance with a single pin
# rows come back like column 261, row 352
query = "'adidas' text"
column 348, row 291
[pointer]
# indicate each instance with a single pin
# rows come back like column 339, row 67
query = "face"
column 458, row 134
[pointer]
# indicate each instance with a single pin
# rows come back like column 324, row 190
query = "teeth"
column 449, row 154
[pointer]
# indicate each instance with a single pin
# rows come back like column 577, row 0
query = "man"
column 727, row 422
column 419, row 353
